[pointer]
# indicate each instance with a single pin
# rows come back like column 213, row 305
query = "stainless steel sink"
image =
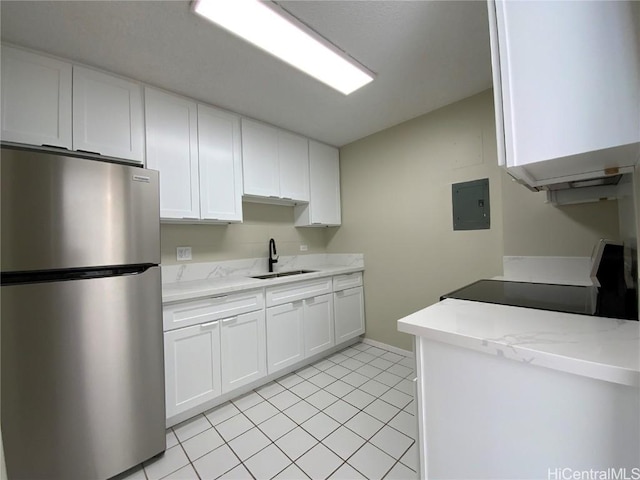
column 267, row 276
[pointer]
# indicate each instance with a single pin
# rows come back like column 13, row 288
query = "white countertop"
column 601, row 348
column 196, row 289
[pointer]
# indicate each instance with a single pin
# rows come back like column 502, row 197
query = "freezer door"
column 82, row 376
column 60, row 212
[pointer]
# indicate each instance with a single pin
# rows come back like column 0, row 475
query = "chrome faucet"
column 272, row 253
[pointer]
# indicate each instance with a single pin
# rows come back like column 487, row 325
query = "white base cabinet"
column 242, row 350
column 348, row 308
column 299, row 322
column 318, row 324
column 491, row 417
column 192, row 366
column 285, row 335
column 205, row 361
column 217, row 345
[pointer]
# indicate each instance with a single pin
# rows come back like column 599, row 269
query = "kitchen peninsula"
column 511, row 392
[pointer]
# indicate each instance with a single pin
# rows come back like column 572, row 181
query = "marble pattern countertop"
column 601, row 348
column 200, row 280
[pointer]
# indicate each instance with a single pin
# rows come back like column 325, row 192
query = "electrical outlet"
column 183, row 253
column 303, row 248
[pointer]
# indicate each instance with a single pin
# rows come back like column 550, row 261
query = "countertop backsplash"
column 558, row 270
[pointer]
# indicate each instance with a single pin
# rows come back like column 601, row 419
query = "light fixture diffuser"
column 262, row 26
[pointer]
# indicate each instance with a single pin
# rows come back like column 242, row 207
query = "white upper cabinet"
column 324, row 186
column 107, row 115
column 260, row 159
column 275, row 163
column 220, row 159
column 36, row 99
column 567, row 88
column 293, row 154
column 172, row 149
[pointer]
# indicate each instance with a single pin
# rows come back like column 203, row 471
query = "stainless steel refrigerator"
column 81, row 316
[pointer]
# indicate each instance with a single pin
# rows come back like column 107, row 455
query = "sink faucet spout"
column 273, row 258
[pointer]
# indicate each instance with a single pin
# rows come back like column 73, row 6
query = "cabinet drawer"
column 350, row 280
column 202, row 311
column 297, row 291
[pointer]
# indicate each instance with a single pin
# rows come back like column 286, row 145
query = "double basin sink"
column 268, row 276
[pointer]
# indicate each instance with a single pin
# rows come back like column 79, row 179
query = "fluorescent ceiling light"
column 265, row 28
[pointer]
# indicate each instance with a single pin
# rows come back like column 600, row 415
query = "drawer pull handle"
column 227, row 321
column 210, row 324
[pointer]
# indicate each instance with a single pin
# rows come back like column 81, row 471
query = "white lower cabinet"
column 204, row 361
column 242, row 350
column 298, row 330
column 285, row 337
column 348, row 309
column 318, row 324
column 192, row 366
column 215, row 346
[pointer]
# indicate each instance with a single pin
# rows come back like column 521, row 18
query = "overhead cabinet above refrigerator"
column 566, row 81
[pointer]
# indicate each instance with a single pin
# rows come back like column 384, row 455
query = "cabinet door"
column 285, row 339
column 293, row 156
column 566, row 80
column 243, row 350
column 36, row 99
column 192, row 366
column 324, row 188
column 318, row 324
column 260, row 159
column 220, row 165
column 172, row 148
column 107, row 115
column 348, row 308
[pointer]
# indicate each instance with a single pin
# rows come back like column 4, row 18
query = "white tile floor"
column 348, row 416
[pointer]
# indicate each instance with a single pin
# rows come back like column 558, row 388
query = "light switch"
column 183, row 253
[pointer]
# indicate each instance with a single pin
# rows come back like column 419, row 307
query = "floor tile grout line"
column 273, row 442
column 319, row 410
column 314, row 415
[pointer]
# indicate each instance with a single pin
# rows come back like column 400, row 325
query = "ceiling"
column 426, row 54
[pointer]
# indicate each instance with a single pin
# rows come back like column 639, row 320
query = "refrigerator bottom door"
column 82, row 376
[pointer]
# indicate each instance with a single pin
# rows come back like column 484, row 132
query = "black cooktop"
column 542, row 296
